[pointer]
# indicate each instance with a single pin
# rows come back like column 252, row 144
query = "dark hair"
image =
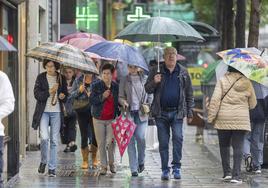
column 107, row 66
column 45, row 62
column 232, row 69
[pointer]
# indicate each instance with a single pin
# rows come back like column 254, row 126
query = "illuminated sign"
column 86, row 18
column 137, row 13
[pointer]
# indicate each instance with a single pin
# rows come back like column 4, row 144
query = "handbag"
column 80, row 103
column 198, row 119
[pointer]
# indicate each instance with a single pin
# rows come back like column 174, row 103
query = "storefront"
column 9, row 63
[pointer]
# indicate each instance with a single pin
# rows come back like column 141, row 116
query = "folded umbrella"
column 64, row 54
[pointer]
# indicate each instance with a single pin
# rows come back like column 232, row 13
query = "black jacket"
column 41, row 94
column 260, row 112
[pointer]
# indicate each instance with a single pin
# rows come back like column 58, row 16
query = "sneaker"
column 227, row 178
column 66, row 150
column 257, row 170
column 248, row 163
column 51, row 173
column 176, row 173
column 141, row 168
column 134, row 174
column 165, row 175
column 73, row 148
column 42, row 168
column 236, row 181
column 103, row 171
column 112, row 169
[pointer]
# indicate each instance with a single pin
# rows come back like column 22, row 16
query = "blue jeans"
column 139, row 138
column 254, row 142
column 52, row 119
column 164, row 123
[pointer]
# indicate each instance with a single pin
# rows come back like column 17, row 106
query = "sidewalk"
column 200, row 168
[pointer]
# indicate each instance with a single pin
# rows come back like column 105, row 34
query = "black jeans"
column 236, row 139
column 85, row 122
column 70, row 128
column 1, row 160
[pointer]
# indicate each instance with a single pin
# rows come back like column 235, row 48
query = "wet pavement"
column 200, row 168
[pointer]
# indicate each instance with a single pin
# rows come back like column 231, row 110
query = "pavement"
column 200, row 168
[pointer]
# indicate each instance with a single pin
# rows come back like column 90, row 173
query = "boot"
column 95, row 160
column 85, row 153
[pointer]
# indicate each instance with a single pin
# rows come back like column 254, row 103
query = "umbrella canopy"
column 5, row 45
column 159, row 29
column 82, row 43
column 64, row 54
column 121, row 52
column 249, row 62
column 96, row 56
column 82, row 35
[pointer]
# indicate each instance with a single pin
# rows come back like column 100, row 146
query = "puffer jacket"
column 232, row 113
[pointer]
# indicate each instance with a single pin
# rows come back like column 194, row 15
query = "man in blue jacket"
column 173, row 100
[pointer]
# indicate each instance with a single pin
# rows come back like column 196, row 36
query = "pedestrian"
column 82, row 105
column 173, row 100
column 104, row 98
column 229, row 107
column 70, row 115
column 254, row 140
column 50, row 91
column 7, row 103
column 134, row 99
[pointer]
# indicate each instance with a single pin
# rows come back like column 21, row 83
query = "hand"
column 125, row 105
column 88, row 93
column 157, row 78
column 82, row 88
column 106, row 93
column 54, row 89
column 61, row 96
column 189, row 120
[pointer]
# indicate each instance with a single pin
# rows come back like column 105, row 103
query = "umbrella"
column 121, row 52
column 123, row 130
column 64, row 54
column 5, row 45
column 82, row 43
column 96, row 56
column 249, row 62
column 82, row 35
column 159, row 29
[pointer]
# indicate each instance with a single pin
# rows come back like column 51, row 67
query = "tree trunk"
column 240, row 24
column 229, row 24
column 254, row 23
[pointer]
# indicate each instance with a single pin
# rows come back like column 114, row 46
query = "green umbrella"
column 209, row 72
column 159, row 29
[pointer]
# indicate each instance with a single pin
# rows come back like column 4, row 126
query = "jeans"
column 1, row 160
column 139, row 138
column 85, row 123
column 236, row 139
column 164, row 123
column 104, row 136
column 254, row 142
column 52, row 119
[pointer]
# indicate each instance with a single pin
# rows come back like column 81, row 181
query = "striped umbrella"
column 64, row 54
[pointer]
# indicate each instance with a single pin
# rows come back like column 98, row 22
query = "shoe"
column 165, row 175
column 73, row 148
column 103, row 170
column 176, row 173
column 67, row 149
column 51, row 173
column 256, row 170
column 235, row 181
column 141, row 168
column 42, row 168
column 134, row 174
column 227, row 178
column 248, row 163
column 112, row 168
column 85, row 153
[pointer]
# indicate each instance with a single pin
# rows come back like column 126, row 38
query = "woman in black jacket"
column 50, row 91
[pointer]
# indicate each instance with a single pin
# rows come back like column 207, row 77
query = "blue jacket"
column 98, row 87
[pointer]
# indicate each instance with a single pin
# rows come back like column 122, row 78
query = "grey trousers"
column 236, row 139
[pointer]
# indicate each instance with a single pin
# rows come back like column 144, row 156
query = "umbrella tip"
column 262, row 52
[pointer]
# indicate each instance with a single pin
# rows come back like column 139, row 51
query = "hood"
column 241, row 85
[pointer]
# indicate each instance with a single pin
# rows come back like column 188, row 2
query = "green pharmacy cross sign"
column 137, row 13
column 86, row 19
